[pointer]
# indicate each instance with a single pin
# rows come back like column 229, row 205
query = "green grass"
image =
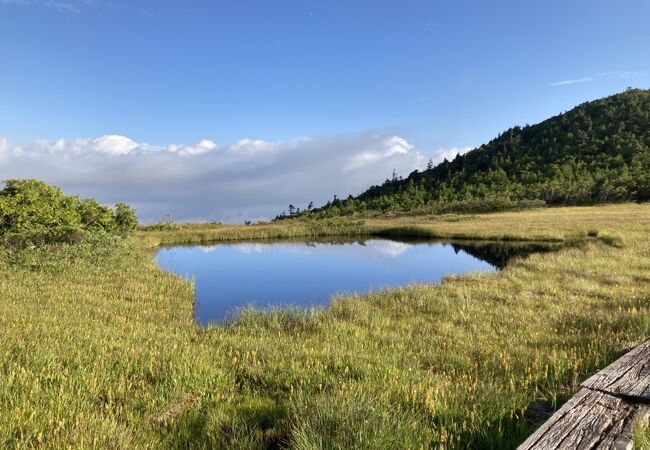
column 642, row 436
column 100, row 350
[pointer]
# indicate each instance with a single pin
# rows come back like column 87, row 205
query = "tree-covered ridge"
column 597, row 152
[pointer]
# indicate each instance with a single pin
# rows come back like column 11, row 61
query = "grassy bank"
column 211, row 233
column 100, row 349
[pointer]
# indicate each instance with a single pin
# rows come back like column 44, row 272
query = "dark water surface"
column 230, row 276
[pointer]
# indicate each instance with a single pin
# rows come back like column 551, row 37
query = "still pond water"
column 229, row 277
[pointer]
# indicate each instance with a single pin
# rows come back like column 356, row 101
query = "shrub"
column 33, row 207
column 32, row 212
column 125, row 218
column 95, row 217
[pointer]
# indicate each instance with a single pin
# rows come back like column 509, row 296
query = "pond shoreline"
column 292, row 273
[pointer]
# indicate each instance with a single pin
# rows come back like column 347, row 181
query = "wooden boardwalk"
column 603, row 412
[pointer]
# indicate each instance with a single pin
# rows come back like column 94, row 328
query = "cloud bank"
column 248, row 180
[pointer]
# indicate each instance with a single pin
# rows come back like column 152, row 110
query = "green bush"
column 33, row 207
column 125, row 218
column 32, row 212
column 95, row 217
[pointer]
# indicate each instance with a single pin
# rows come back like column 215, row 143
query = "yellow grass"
column 102, row 351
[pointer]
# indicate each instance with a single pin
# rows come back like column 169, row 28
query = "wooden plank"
column 627, row 377
column 603, row 412
column 591, row 419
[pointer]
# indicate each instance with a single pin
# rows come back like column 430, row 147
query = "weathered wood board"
column 627, row 377
column 603, row 412
column 591, row 419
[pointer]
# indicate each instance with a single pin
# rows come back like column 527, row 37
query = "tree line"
column 598, row 152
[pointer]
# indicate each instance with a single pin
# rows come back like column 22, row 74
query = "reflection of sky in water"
column 373, row 248
column 231, row 276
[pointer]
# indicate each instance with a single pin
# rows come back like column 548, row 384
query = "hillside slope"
column 597, row 152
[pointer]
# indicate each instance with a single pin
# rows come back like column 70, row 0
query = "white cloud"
column 201, row 147
column 621, row 75
column 391, row 147
column 576, row 81
column 111, row 145
column 629, row 75
column 247, row 180
column 449, row 154
column 72, row 6
column 397, row 145
column 4, row 151
column 361, row 160
column 114, row 145
column 67, row 7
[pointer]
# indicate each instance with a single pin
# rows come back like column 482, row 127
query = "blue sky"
column 439, row 74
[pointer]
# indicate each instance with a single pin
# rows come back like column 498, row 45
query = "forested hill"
column 597, row 152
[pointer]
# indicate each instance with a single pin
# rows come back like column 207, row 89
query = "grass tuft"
column 611, row 240
column 177, row 409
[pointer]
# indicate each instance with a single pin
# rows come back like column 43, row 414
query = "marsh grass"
column 102, row 351
column 642, row 436
column 210, row 233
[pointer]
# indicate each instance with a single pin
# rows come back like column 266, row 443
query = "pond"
column 231, row 276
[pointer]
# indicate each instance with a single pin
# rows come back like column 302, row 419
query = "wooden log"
column 627, row 377
column 603, row 412
column 589, row 420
